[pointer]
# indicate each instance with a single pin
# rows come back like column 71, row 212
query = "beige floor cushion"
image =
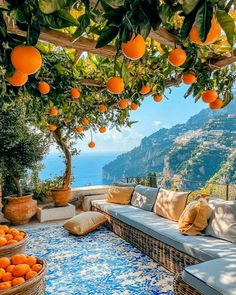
column 170, row 204
column 84, row 223
column 119, row 195
column 194, row 218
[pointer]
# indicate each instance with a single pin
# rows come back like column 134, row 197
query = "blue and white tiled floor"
column 99, row 263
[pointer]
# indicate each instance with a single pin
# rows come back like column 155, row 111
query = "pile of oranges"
column 17, row 269
column 10, row 236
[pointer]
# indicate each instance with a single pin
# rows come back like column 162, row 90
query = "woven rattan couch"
column 159, row 238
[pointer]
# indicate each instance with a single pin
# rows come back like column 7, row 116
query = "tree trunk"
column 17, row 184
column 57, row 134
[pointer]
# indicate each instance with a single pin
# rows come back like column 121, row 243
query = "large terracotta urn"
column 19, row 210
column 61, row 196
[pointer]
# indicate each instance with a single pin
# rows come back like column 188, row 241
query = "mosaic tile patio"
column 99, row 263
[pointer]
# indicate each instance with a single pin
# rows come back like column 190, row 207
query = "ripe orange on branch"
column 44, row 87
column 102, row 108
column 85, row 121
column 135, row 48
column 17, row 79
column 209, row 96
column 217, row 104
column 177, row 57
column 26, row 59
column 75, row 93
column 91, row 144
column 145, row 89
column 79, row 129
column 157, row 98
column 102, row 129
column 115, row 85
column 53, row 111
column 123, row 104
column 189, row 78
column 134, row 106
column 212, row 36
column 52, row 127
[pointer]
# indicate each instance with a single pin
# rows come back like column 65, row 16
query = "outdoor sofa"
column 202, row 264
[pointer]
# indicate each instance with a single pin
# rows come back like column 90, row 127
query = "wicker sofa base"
column 167, row 256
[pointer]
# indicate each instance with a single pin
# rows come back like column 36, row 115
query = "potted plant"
column 22, row 147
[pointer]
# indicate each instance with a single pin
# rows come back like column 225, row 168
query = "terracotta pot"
column 61, row 196
column 19, row 210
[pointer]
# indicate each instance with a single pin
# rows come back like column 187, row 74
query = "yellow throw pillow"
column 194, row 218
column 84, row 223
column 119, row 195
column 170, row 204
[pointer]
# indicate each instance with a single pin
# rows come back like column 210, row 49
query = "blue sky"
column 151, row 116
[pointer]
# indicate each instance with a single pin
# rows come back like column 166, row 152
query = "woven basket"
column 34, row 286
column 19, row 247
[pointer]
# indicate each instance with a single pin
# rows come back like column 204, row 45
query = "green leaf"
column 63, row 13
column 189, row 5
column 203, row 20
column 50, row 6
column 33, row 33
column 84, row 22
column 227, row 24
column 107, row 35
column 150, row 10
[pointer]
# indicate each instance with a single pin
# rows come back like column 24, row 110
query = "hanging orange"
column 135, row 48
column 123, row 104
column 52, row 127
column 91, row 144
column 102, row 108
column 157, row 98
column 189, row 78
column 145, row 89
column 44, row 87
column 66, row 120
column 177, row 57
column 217, row 104
column 212, row 36
column 85, row 121
column 17, row 79
column 102, row 129
column 209, row 96
column 26, row 59
column 115, row 85
column 53, row 112
column 75, row 93
column 134, row 106
column 79, row 129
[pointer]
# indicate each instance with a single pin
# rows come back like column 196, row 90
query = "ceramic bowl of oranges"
column 21, row 274
column 12, row 241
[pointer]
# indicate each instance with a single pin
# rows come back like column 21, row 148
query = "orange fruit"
column 123, row 104
column 37, row 267
column 134, row 106
column 177, row 57
column 30, row 275
column 115, row 85
column 18, row 238
column 27, row 267
column 18, row 259
column 26, row 59
column 145, row 89
column 217, row 104
column 85, row 121
column 13, row 231
column 52, row 127
column 79, row 129
column 209, row 96
column 135, row 48
column 6, row 277
column 17, row 79
column 189, row 78
column 3, row 241
column 31, row 260
column 2, row 232
column 66, row 120
column 20, row 270
column 12, row 242
column 5, row 228
column 22, row 234
column 5, row 285
column 18, row 281
column 10, row 268
column 102, row 108
column 91, row 145
column 2, row 271
column 44, row 87
column 4, row 262
column 157, row 98
column 53, row 112
column 8, row 237
column 102, row 129
column 75, row 93
column 212, row 35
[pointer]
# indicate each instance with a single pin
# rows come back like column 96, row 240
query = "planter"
column 19, row 210
column 61, row 196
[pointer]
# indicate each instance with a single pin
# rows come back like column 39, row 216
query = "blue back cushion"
column 144, row 197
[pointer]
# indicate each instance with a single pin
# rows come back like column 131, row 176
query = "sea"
column 87, row 167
